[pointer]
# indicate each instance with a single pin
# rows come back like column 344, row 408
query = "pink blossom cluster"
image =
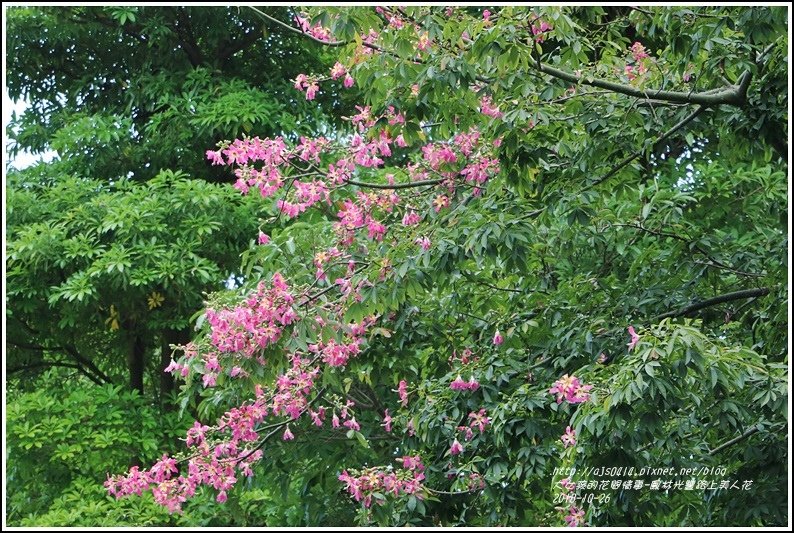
column 424, row 42
column 640, row 66
column 575, row 516
column 272, row 152
column 480, row 171
column 337, row 354
column 362, row 485
column 217, row 466
column 635, row 339
column 467, row 141
column 339, row 70
column 466, row 356
column 402, row 392
column 475, row 481
column 317, row 30
column 306, row 195
column 310, row 85
column 463, row 157
column 423, row 242
column 456, row 448
column 323, row 259
column 459, row 384
column 255, row 323
column 638, row 52
column 218, row 455
column 539, row 29
column 569, row 437
column 477, row 420
column 293, row 389
column 436, row 154
column 488, row 109
column 357, row 213
column 411, row 218
column 368, row 154
column 570, row 389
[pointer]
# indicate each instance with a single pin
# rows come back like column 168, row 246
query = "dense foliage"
column 537, row 277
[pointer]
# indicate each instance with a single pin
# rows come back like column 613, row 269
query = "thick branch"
column 738, row 295
column 186, row 39
column 72, row 351
column 48, row 364
column 749, row 432
column 240, row 44
column 42, row 364
column 410, row 185
column 734, row 95
column 299, row 31
column 83, row 364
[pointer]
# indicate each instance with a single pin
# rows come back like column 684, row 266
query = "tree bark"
column 136, row 360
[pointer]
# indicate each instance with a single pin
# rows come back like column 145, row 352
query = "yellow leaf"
column 155, row 300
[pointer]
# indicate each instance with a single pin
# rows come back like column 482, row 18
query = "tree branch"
column 186, row 39
column 72, row 351
column 749, row 432
column 395, row 186
column 614, row 170
column 734, row 95
column 738, row 295
column 240, row 44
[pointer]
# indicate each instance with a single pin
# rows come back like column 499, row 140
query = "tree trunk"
column 136, row 361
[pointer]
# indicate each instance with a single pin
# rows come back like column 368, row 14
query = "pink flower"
column 457, row 448
column 459, row 384
column 424, row 42
column 424, row 243
column 209, row 379
column 387, row 421
column 638, row 51
column 575, row 517
column 414, row 90
column 497, row 338
column 337, row 71
column 402, row 391
column 569, row 437
column 634, row 338
column 263, row 238
column 311, row 91
column 172, row 367
column 348, row 81
column 352, row 424
column 602, row 359
column 570, row 389
column 629, row 70
column 473, row 384
column 440, row 202
column 487, row 108
column 301, row 81
column 479, row 420
column 411, row 218
column 287, row 434
column 221, row 496
column 486, row 15
column 215, row 156
column 335, row 421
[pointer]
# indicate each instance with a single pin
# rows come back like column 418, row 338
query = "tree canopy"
column 522, row 266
